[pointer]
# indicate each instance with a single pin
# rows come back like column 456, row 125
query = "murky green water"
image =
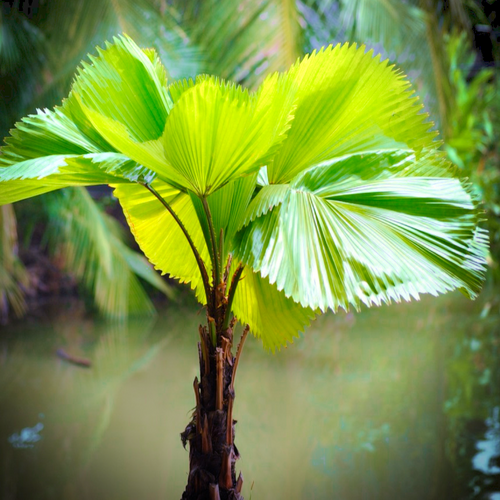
column 400, row 402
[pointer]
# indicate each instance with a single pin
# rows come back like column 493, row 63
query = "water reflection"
column 388, row 404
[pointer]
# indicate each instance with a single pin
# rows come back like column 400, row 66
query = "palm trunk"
column 212, row 452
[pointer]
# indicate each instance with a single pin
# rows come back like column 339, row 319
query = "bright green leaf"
column 49, row 151
column 228, row 206
column 271, row 316
column 150, row 154
column 217, row 132
column 128, row 86
column 370, row 229
column 159, row 235
column 347, row 102
column 267, row 198
column 41, row 175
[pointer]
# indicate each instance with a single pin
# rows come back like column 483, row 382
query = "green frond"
column 44, row 134
column 411, row 34
column 150, row 154
column 370, row 229
column 215, row 133
column 126, row 85
column 347, row 102
column 14, row 278
column 323, row 183
column 228, row 206
column 42, row 175
column 272, row 317
column 276, row 104
column 56, row 149
column 158, row 234
column 152, row 25
column 266, row 199
column 177, row 88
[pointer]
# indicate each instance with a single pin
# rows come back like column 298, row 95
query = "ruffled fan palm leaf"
column 351, row 204
column 410, row 33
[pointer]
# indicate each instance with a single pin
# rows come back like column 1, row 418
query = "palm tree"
column 321, row 190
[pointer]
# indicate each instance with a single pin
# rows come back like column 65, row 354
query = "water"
column 399, row 402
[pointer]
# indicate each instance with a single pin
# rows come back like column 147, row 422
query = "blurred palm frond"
column 89, row 243
column 14, row 278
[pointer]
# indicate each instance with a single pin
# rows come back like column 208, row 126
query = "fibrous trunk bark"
column 210, row 434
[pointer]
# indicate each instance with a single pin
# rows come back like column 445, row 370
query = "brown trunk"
column 212, row 453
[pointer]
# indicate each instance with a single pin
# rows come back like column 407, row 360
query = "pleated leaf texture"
column 325, row 183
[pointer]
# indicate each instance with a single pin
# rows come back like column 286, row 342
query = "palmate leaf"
column 217, row 132
column 150, row 154
column 272, row 316
column 116, row 83
column 63, row 147
column 325, row 171
column 208, row 136
column 347, row 102
column 42, row 175
column 214, row 133
column 159, row 235
column 56, row 149
column 369, row 229
column 227, row 208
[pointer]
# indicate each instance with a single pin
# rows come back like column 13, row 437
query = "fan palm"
column 321, row 190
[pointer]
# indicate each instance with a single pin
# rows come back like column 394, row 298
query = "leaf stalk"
column 199, row 260
column 214, row 252
column 232, row 291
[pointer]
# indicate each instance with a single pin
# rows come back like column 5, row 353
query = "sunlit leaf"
column 347, row 102
column 41, row 175
column 215, row 133
column 272, row 317
column 159, row 235
column 228, row 206
column 126, row 85
column 267, row 198
column 49, row 151
column 370, row 229
column 150, row 154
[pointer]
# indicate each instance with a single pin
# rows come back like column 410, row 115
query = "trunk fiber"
column 210, row 434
